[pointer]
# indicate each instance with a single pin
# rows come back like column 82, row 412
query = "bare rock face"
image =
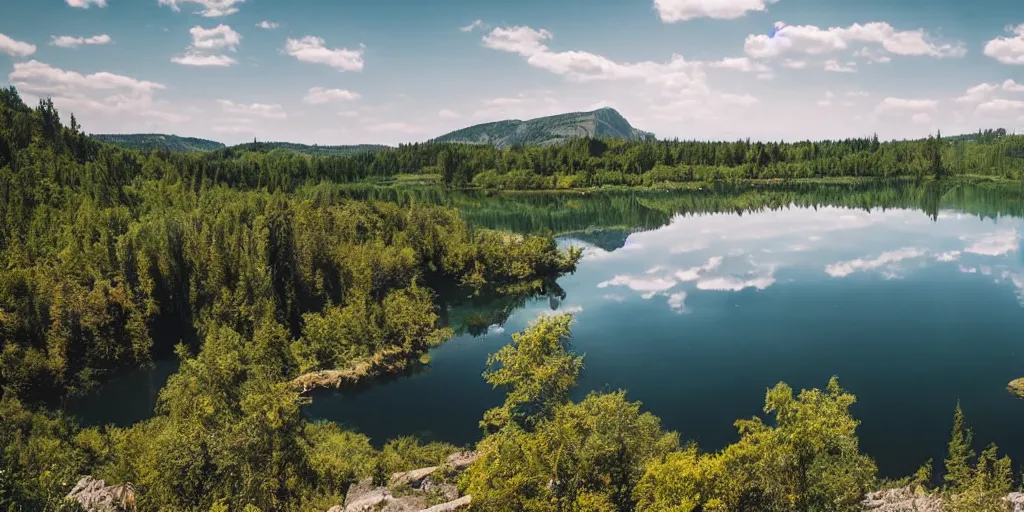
column 96, row 496
column 902, row 499
column 1016, row 500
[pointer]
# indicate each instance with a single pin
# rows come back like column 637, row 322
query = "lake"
column 697, row 302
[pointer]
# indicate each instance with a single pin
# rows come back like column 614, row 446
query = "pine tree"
column 958, row 460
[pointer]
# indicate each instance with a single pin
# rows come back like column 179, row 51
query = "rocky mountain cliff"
column 605, row 123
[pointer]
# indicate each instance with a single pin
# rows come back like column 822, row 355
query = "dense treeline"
column 113, row 258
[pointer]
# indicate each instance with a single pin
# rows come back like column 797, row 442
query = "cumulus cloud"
column 207, row 45
column 671, row 11
column 995, row 244
column 74, row 42
column 16, row 48
column 255, row 109
column 99, row 93
column 268, row 25
column 984, row 91
column 1001, row 107
column 921, row 118
column 320, row 95
column 648, row 286
column 694, row 273
column 845, row 268
column 948, row 256
column 207, row 8
column 677, row 301
column 397, row 126
column 84, row 4
column 812, row 40
column 1008, row 50
column 313, row 49
column 794, row 64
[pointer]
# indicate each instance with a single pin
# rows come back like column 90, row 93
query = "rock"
column 96, row 496
column 364, row 497
column 412, row 478
column 1016, row 499
column 449, row 492
column 1016, row 387
column 462, row 460
column 459, row 504
column 902, row 499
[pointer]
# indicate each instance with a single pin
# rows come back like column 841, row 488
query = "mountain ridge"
column 542, row 131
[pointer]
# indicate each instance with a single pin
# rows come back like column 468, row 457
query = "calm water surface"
column 698, row 317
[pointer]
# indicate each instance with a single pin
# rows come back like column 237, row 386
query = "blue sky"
column 390, row 71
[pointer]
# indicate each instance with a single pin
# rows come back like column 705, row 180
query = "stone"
column 902, row 499
column 459, row 504
column 96, row 496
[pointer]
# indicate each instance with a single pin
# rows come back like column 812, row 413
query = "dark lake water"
column 914, row 307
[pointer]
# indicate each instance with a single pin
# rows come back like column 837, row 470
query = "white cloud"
column 221, row 37
column 968, row 270
column 794, row 64
column 921, row 118
column 207, row 43
column 694, row 273
column 16, row 48
column 671, row 11
column 255, row 109
column 199, row 60
column 735, row 284
column 677, row 301
column 878, row 56
column 649, row 286
column 830, row 94
column 209, row 8
column 448, row 114
column 811, row 40
column 689, row 246
column 824, row 103
column 834, row 66
column 995, row 244
column 740, row 64
column 472, row 26
column 1000, row 107
column 1008, row 50
column 98, row 93
column 858, row 94
column 312, row 49
column 845, row 268
column 948, row 256
column 269, row 25
column 904, row 106
column 74, row 42
column 84, row 4
column 320, row 95
column 985, row 90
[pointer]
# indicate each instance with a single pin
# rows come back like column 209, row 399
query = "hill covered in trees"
column 306, row 149
column 605, row 123
column 153, row 141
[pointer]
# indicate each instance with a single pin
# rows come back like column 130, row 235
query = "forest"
column 263, row 272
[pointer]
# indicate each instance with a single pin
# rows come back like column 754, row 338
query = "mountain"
column 150, row 141
column 603, row 123
column 264, row 147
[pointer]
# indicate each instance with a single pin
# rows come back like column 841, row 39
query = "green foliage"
column 809, row 460
column 586, row 456
column 960, row 453
column 987, row 486
column 154, row 141
column 537, row 371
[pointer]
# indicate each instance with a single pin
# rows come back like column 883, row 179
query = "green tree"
column 959, row 454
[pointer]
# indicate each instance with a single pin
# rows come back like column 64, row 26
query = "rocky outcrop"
column 96, row 496
column 904, row 499
column 1016, row 387
column 410, row 491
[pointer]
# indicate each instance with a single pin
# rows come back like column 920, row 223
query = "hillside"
column 601, row 123
column 150, row 141
column 264, row 147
